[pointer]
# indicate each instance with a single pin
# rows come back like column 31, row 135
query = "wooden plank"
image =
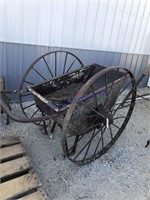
column 11, row 151
column 7, row 141
column 14, row 167
column 17, row 186
column 38, row 195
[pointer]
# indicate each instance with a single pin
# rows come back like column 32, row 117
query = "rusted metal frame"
column 81, row 92
column 25, row 77
column 60, row 80
column 25, row 119
column 57, row 81
column 43, row 99
column 41, row 57
column 96, row 93
column 72, row 107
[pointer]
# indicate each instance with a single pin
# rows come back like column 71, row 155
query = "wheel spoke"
column 55, row 63
column 71, row 65
column 116, row 126
column 106, row 83
column 28, row 94
column 48, row 67
column 90, row 107
column 120, row 107
column 122, row 103
column 73, row 148
column 86, row 145
column 101, row 139
column 65, row 62
column 31, row 83
column 29, row 106
column 35, row 112
column 39, row 74
column 119, row 118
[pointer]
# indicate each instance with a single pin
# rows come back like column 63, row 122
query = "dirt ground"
column 121, row 174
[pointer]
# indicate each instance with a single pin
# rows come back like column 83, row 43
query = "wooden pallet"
column 18, row 181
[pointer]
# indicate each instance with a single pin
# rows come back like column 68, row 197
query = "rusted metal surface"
column 41, row 91
column 51, row 63
column 24, row 119
column 87, row 104
column 79, row 150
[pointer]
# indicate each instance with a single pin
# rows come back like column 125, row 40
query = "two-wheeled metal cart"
column 91, row 104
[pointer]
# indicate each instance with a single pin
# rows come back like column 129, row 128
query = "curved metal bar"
column 25, row 119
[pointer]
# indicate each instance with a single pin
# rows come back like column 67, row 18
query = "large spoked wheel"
column 99, row 114
column 44, row 68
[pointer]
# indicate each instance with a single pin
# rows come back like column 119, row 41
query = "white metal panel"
column 2, row 19
column 12, row 23
column 127, row 43
column 107, row 25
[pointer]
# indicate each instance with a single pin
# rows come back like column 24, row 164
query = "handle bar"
column 25, row 119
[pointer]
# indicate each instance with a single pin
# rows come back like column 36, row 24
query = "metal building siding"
column 106, row 25
column 108, row 32
column 16, row 58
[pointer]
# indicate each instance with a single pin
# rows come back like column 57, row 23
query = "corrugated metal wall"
column 109, row 32
column 106, row 25
column 16, row 58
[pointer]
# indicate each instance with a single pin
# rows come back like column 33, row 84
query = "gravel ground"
column 121, row 174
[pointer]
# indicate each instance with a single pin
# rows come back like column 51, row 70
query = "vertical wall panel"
column 105, row 25
column 16, row 58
